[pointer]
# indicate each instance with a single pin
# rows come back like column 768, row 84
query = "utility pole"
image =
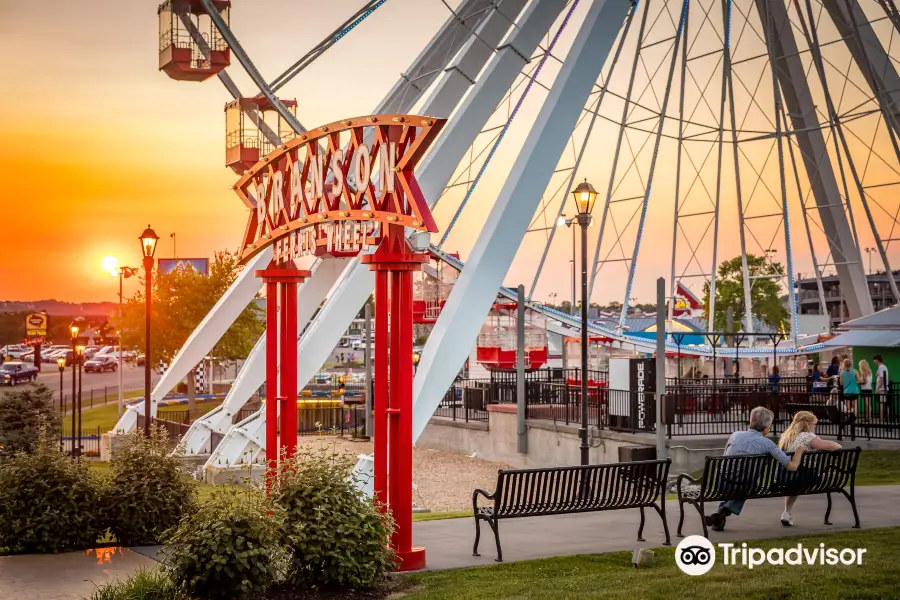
column 661, row 451
column 521, row 401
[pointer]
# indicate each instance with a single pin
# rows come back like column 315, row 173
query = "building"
column 808, row 296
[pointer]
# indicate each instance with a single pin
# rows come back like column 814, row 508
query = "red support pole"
column 396, row 478
column 271, row 375
column 281, row 284
column 393, row 263
column 401, row 425
column 282, row 368
column 380, row 400
column 289, row 368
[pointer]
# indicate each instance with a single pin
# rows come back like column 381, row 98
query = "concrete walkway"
column 69, row 576
column 449, row 542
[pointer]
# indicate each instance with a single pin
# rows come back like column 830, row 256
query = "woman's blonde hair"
column 847, row 364
column 803, row 422
column 864, row 369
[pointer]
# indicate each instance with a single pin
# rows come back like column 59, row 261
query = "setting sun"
column 111, row 264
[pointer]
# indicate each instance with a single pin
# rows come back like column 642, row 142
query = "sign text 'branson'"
column 330, row 191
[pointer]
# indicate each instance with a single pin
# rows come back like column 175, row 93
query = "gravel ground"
column 444, row 480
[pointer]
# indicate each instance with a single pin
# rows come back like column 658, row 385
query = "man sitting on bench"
column 752, row 441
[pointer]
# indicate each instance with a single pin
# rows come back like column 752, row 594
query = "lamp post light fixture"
column 870, row 252
column 416, row 357
column 568, row 223
column 73, row 330
column 584, row 196
column 148, row 241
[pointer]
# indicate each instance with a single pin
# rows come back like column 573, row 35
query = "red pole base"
column 412, row 560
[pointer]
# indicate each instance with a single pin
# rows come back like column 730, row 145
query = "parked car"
column 90, row 351
column 14, row 351
column 14, row 372
column 98, row 364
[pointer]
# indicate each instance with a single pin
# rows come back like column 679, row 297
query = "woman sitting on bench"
column 801, row 434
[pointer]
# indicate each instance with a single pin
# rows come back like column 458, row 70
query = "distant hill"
column 57, row 307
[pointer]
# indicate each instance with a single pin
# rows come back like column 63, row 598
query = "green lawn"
column 877, row 467
column 611, row 576
column 439, row 516
column 105, row 417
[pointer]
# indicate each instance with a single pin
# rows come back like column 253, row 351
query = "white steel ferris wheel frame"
column 491, row 42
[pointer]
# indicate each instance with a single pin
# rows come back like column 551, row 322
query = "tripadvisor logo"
column 696, row 555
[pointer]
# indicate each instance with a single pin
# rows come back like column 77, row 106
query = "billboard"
column 36, row 325
column 167, row 265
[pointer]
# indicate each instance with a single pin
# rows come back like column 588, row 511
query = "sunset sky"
column 97, row 143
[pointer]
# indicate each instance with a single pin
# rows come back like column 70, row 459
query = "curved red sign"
column 306, row 197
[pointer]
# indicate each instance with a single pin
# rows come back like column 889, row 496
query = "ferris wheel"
column 755, row 130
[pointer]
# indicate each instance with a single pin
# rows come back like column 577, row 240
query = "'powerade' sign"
column 643, row 383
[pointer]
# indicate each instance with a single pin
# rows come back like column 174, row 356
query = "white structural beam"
column 870, row 56
column 788, row 64
column 252, row 374
column 447, row 95
column 434, row 174
column 203, row 338
column 473, row 293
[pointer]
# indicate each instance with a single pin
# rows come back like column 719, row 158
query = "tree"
column 22, row 414
column 181, row 299
column 764, row 291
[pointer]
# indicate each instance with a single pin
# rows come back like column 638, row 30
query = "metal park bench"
column 761, row 476
column 567, row 490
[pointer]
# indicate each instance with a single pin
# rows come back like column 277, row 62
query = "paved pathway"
column 69, row 576
column 449, row 542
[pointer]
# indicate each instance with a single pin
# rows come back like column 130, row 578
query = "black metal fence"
column 89, row 442
column 721, row 412
column 692, row 407
column 555, row 392
column 467, row 400
column 740, row 384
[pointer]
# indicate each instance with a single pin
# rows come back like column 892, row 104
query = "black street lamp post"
column 74, row 329
column 585, row 196
column 79, row 360
column 148, row 247
column 61, row 363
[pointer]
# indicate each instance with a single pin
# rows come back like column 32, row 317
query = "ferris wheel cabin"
column 431, row 288
column 250, row 123
column 496, row 349
column 190, row 46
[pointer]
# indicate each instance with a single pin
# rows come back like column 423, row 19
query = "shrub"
column 338, row 538
column 22, row 413
column 148, row 491
column 145, row 584
column 49, row 502
column 229, row 548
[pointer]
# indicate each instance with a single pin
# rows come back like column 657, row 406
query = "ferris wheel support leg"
column 870, row 56
column 880, row 73
column 356, row 283
column 207, row 333
column 811, row 141
column 252, row 373
column 437, row 169
column 475, row 290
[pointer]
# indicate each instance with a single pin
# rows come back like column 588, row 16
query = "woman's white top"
column 865, row 383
